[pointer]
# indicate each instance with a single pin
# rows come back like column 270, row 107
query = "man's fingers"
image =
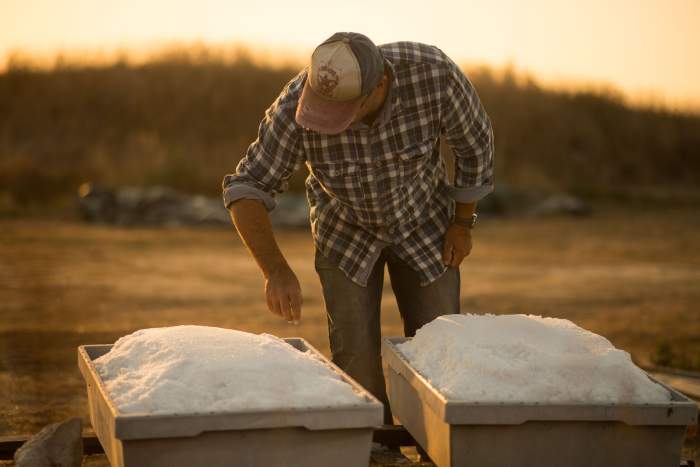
column 271, row 299
column 283, row 295
column 280, row 308
column 285, row 308
column 457, row 258
column 447, row 253
column 295, row 302
column 274, row 305
column 270, row 304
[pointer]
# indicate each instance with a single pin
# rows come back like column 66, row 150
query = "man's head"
column 345, row 76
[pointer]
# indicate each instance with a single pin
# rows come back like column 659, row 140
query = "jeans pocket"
column 321, row 263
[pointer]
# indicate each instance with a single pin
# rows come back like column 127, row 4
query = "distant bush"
column 185, row 121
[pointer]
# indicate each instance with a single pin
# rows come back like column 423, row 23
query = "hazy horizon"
column 644, row 52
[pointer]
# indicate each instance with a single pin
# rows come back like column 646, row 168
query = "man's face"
column 372, row 101
column 363, row 110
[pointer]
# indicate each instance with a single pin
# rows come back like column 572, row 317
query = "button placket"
column 376, row 164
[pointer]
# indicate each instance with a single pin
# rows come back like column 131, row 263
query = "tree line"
column 184, row 123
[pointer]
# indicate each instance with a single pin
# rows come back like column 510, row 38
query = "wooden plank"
column 393, row 436
column 690, row 386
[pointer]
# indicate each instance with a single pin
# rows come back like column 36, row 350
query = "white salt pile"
column 188, row 369
column 519, row 358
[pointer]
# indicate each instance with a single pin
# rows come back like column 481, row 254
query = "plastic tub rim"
column 448, row 409
column 132, row 425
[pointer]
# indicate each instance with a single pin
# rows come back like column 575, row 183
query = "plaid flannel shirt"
column 381, row 186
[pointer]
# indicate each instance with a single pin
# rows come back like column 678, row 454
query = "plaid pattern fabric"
column 384, row 185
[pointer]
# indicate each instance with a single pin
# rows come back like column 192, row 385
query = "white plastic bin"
column 337, row 436
column 458, row 433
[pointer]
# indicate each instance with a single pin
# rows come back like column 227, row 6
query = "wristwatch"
column 465, row 222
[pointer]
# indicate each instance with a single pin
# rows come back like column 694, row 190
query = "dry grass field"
column 629, row 272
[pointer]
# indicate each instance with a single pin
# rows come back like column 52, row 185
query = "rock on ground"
column 56, row 445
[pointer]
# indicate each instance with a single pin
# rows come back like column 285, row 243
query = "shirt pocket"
column 340, row 180
column 413, row 158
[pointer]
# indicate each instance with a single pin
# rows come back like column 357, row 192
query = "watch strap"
column 462, row 222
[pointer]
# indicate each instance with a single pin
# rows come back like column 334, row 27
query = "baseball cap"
column 345, row 68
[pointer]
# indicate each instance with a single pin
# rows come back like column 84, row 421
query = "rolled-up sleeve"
column 467, row 129
column 273, row 157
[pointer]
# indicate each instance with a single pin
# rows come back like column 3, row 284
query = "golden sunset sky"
column 649, row 49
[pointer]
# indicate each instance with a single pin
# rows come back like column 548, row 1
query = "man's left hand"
column 457, row 245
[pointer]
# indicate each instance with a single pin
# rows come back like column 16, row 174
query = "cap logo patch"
column 327, row 80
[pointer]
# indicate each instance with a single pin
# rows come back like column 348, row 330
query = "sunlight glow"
column 646, row 48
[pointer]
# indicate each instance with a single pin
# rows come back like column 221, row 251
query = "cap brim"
column 324, row 115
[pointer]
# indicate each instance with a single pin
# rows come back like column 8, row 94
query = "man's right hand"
column 282, row 290
column 283, row 294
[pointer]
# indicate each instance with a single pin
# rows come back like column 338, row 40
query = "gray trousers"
column 353, row 314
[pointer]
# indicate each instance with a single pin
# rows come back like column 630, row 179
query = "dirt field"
column 628, row 273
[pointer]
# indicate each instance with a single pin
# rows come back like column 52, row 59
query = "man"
column 366, row 121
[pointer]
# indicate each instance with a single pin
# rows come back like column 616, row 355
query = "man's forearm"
column 253, row 224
